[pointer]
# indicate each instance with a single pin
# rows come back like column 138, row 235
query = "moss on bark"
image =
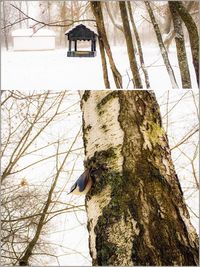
column 138, row 215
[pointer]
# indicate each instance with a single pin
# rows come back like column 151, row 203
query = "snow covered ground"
column 53, row 70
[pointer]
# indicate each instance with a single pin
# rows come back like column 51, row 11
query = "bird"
column 82, row 185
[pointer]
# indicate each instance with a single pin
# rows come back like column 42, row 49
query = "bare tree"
column 104, row 63
column 168, row 29
column 184, row 143
column 161, row 45
column 30, row 204
column 139, row 45
column 129, row 42
column 68, row 13
column 180, row 46
column 136, row 211
column 24, row 259
column 97, row 11
column 193, row 34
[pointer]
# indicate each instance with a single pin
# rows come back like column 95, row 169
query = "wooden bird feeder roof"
column 81, row 32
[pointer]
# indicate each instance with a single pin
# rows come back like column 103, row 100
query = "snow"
column 53, row 70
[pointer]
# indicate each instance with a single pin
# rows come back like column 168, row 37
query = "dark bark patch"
column 153, row 199
column 106, row 252
column 86, row 95
column 106, row 99
column 100, row 173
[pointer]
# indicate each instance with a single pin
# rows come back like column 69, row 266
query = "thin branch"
column 53, row 24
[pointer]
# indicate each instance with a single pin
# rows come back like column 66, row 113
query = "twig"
column 52, row 24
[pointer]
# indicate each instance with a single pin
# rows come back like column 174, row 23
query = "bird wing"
column 83, row 180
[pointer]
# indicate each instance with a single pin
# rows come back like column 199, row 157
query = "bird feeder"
column 81, row 33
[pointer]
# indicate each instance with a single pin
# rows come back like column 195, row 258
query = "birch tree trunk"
column 180, row 46
column 97, row 11
column 136, row 212
column 168, row 30
column 129, row 43
column 104, row 63
column 139, row 45
column 193, row 34
column 162, row 46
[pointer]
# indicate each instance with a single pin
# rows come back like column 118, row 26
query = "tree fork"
column 136, row 211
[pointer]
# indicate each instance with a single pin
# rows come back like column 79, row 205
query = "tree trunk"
column 170, row 32
column 139, row 45
column 97, row 11
column 136, row 212
column 25, row 257
column 161, row 45
column 193, row 34
column 137, row 83
column 5, row 29
column 104, row 64
column 180, row 46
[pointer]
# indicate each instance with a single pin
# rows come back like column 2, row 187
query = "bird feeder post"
column 94, row 43
column 75, row 45
column 70, row 45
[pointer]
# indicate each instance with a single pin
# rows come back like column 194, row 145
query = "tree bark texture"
column 139, row 45
column 168, row 30
column 97, row 11
column 129, row 42
column 162, row 46
column 136, row 212
column 104, row 63
column 180, row 46
column 193, row 34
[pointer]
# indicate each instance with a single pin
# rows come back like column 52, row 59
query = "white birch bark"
column 136, row 211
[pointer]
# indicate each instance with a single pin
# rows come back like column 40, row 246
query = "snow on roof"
column 92, row 28
column 30, row 32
